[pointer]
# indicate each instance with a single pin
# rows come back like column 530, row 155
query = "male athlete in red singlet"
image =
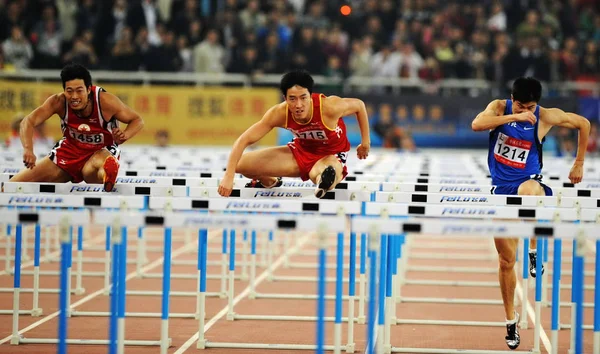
column 88, row 150
column 319, row 149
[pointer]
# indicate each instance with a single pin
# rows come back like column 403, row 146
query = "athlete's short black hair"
column 75, row 71
column 527, row 89
column 297, row 77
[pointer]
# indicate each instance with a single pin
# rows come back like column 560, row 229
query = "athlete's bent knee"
column 244, row 167
column 530, row 187
column 507, row 263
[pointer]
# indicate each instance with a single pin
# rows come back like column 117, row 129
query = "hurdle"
column 46, row 217
column 503, row 212
column 580, row 204
column 463, row 227
column 324, row 225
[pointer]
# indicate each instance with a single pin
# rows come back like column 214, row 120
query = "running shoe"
column 513, row 339
column 111, row 169
column 326, row 181
column 533, row 264
column 256, row 184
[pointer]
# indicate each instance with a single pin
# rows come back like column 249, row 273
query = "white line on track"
column 244, row 293
column 95, row 294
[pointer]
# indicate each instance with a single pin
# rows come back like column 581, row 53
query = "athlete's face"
column 77, row 94
column 520, row 107
column 299, row 102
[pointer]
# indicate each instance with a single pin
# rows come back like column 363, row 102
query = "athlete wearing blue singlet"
column 517, row 130
column 515, row 154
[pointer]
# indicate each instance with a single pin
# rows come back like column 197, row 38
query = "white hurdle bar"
column 378, row 229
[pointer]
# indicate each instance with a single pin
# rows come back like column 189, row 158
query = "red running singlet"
column 315, row 136
column 314, row 140
column 88, row 133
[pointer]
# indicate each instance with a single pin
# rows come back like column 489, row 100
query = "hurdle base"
column 350, row 347
column 269, row 346
column 16, row 339
column 361, row 320
column 172, row 293
column 454, row 351
column 296, row 296
column 89, row 341
column 79, row 291
column 37, row 312
column 451, row 323
column 10, row 312
column 439, row 300
column 568, row 326
column 252, row 295
column 524, row 324
column 285, row 318
column 133, row 314
column 201, row 344
column 231, row 316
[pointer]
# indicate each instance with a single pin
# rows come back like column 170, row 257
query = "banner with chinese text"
column 191, row 115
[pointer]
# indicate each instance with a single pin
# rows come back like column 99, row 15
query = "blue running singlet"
column 515, row 154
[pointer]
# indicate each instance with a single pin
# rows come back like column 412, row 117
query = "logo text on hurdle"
column 199, row 221
column 167, row 174
column 275, row 194
column 459, row 198
column 34, row 200
column 251, row 205
column 135, row 180
column 459, row 189
column 479, row 229
column 468, row 211
column 89, row 189
column 458, row 181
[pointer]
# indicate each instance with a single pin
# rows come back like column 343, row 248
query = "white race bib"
column 310, row 134
column 511, row 152
column 86, row 138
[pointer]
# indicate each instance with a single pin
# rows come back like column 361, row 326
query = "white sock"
column 513, row 321
column 533, row 251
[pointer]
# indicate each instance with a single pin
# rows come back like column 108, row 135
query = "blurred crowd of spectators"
column 428, row 39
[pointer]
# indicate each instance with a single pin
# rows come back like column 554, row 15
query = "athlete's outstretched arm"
column 341, row 107
column 253, row 134
column 121, row 112
column 558, row 117
column 39, row 115
column 493, row 116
